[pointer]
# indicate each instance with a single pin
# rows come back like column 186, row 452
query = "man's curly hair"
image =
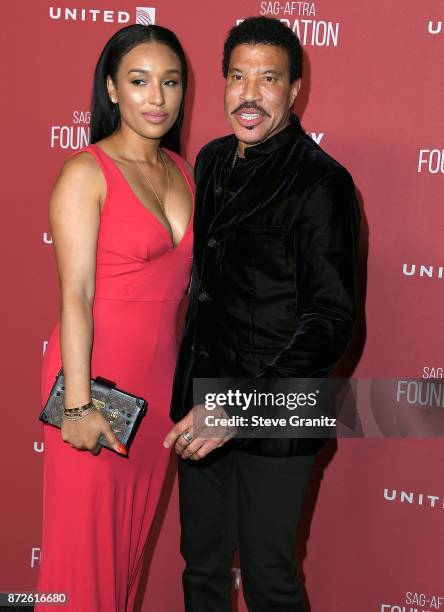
column 265, row 31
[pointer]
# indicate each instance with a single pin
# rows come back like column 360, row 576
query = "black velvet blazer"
column 273, row 285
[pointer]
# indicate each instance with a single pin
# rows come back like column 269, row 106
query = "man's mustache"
column 250, row 106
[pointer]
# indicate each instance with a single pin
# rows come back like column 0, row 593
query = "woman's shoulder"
column 81, row 172
column 181, row 161
column 82, row 158
column 189, row 167
column 82, row 164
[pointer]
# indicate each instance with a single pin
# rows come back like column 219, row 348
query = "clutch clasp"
column 97, row 403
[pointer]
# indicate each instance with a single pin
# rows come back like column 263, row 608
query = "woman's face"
column 148, row 89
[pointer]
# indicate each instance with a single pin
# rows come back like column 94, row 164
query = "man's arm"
column 326, row 249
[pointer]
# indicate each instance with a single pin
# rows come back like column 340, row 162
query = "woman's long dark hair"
column 105, row 116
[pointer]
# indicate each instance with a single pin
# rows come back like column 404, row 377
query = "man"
column 272, row 295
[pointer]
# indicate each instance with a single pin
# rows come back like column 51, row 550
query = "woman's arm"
column 74, row 215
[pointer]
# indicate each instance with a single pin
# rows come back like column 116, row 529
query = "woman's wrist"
column 77, row 390
column 79, row 412
column 76, row 402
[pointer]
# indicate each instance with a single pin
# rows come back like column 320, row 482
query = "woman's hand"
column 84, row 433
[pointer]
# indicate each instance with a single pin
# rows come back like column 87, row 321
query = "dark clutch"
column 122, row 410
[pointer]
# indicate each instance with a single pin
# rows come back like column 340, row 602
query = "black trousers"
column 234, row 499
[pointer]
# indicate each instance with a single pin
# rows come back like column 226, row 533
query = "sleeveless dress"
column 97, row 510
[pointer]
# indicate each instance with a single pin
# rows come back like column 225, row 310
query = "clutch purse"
column 122, row 410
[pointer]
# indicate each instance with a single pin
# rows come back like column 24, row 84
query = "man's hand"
column 204, row 438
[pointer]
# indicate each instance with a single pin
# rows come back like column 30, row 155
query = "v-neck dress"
column 98, row 510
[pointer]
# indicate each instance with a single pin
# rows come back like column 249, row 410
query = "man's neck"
column 242, row 146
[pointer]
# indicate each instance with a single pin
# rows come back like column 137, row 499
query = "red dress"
column 97, row 510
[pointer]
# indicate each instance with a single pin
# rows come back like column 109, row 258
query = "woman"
column 121, row 221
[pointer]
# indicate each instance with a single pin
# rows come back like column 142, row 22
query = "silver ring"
column 187, row 436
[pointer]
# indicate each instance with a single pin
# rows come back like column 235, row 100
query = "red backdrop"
column 372, row 97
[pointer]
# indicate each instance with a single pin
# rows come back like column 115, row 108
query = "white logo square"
column 145, row 15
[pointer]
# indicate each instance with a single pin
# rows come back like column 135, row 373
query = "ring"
column 187, row 436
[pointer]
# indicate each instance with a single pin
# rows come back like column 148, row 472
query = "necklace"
column 147, row 178
column 236, row 155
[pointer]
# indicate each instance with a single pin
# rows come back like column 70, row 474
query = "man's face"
column 258, row 92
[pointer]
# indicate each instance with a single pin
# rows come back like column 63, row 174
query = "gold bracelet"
column 79, row 416
column 78, row 412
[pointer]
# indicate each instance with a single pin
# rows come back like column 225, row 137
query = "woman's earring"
column 113, row 100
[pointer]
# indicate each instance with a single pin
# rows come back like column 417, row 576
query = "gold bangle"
column 79, row 416
column 78, row 412
column 77, row 408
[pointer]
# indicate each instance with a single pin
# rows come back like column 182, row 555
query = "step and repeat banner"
column 372, row 538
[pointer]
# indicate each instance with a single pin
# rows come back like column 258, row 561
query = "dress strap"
column 180, row 162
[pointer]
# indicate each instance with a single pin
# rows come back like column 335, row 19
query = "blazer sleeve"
column 326, row 248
